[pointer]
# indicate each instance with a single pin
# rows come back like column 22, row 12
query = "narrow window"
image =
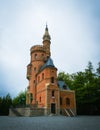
column 53, row 93
column 42, row 55
column 47, row 57
column 52, row 79
column 34, row 68
column 40, row 99
column 60, row 100
column 31, row 97
column 67, row 101
column 34, row 81
column 35, row 56
column 38, row 78
column 42, row 76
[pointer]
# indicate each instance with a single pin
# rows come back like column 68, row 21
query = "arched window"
column 31, row 97
column 67, row 101
column 35, row 56
column 60, row 100
column 52, row 79
column 52, row 93
column 38, row 78
column 48, row 57
column 40, row 98
column 34, row 68
column 34, row 81
column 42, row 76
column 42, row 55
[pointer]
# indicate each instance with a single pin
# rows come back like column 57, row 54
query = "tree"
column 65, row 77
column 5, row 104
column 20, row 100
column 98, row 70
column 87, row 88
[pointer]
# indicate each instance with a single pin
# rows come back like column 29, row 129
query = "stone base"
column 30, row 112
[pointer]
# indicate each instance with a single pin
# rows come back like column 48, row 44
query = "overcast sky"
column 74, row 26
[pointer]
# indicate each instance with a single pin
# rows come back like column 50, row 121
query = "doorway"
column 53, row 108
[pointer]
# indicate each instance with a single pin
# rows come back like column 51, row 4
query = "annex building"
column 44, row 92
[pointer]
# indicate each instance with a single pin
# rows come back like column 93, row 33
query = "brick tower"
column 44, row 91
column 39, row 55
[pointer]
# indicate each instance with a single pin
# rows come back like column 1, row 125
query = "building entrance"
column 53, row 108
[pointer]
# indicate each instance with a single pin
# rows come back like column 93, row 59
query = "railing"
column 69, row 112
column 66, row 112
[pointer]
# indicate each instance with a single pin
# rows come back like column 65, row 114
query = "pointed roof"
column 49, row 63
column 46, row 35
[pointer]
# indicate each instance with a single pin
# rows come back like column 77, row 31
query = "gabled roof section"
column 62, row 85
column 49, row 63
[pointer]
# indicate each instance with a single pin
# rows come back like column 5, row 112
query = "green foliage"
column 87, row 88
column 5, row 104
column 20, row 99
column 86, row 85
column 65, row 77
column 98, row 69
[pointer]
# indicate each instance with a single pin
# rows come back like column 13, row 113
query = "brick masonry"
column 43, row 90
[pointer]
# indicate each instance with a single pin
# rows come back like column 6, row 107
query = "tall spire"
column 46, row 35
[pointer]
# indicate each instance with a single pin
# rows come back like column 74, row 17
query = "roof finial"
column 46, row 26
column 46, row 35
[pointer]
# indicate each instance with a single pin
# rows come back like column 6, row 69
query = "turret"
column 39, row 55
column 46, row 42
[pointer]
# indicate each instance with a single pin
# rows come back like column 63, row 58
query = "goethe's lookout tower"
column 44, row 91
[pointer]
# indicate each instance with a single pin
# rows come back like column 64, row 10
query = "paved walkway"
column 50, row 123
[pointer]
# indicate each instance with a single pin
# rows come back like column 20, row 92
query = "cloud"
column 74, row 29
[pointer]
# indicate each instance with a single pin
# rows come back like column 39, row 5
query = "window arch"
column 52, row 79
column 35, row 56
column 38, row 78
column 67, row 101
column 34, row 81
column 31, row 97
column 52, row 93
column 40, row 98
column 34, row 68
column 60, row 100
column 42, row 55
column 42, row 76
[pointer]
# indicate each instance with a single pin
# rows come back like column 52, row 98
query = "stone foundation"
column 26, row 112
column 30, row 112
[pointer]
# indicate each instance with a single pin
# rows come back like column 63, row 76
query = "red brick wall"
column 55, row 98
column 40, row 82
column 41, row 85
column 68, row 94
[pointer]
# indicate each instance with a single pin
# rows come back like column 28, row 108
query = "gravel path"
column 50, row 123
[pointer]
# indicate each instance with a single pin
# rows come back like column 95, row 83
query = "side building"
column 44, row 91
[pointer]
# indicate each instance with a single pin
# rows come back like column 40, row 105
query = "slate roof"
column 62, row 85
column 49, row 63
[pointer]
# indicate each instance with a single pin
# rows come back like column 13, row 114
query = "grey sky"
column 74, row 27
